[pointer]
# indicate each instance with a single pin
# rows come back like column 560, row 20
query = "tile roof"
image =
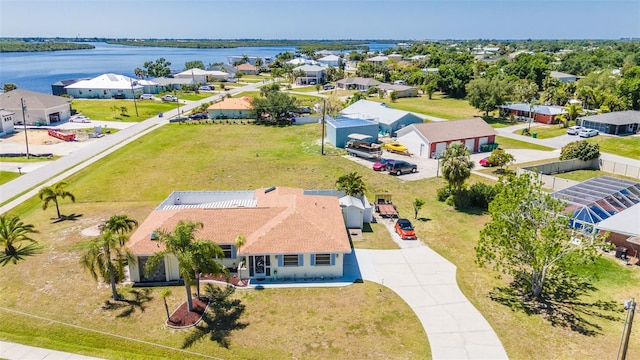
column 33, row 100
column 359, row 81
column 451, row 130
column 283, row 221
column 243, row 103
column 246, row 66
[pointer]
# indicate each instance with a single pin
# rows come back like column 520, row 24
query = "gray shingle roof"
column 34, row 100
column 615, row 118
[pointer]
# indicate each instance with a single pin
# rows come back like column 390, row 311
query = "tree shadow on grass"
column 423, row 219
column 561, row 305
column 70, row 217
column 220, row 319
column 129, row 301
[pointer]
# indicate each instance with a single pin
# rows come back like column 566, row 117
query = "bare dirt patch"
column 36, row 137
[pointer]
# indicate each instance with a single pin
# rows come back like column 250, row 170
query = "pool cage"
column 597, row 199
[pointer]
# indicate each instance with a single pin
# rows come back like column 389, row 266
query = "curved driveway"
column 427, row 282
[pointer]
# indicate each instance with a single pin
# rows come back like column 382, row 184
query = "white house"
column 41, row 109
column 202, row 76
column 289, row 232
column 313, row 74
column 330, row 60
column 380, row 59
column 6, row 122
column 106, row 86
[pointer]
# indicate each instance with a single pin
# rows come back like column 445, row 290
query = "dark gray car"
column 400, row 167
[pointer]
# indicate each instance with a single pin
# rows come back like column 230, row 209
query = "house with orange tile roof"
column 290, row 233
column 247, row 69
column 231, row 108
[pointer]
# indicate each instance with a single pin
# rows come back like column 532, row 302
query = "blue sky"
column 322, row 19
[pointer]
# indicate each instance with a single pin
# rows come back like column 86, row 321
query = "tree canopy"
column 352, row 184
column 583, row 150
column 456, row 165
column 274, row 108
column 15, row 240
column 528, row 237
column 159, row 68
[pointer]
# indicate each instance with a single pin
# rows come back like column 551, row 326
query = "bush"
column 443, row 193
column 481, row 195
column 582, row 150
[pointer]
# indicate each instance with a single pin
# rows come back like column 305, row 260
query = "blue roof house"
column 389, row 120
column 339, row 129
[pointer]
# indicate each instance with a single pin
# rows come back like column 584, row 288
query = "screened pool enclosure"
column 597, row 199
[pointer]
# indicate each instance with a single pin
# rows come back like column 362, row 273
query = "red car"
column 485, row 162
column 405, row 229
column 382, row 164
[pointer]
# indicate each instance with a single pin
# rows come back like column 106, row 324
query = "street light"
column 630, row 306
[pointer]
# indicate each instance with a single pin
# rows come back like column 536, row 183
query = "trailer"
column 362, row 146
column 62, row 135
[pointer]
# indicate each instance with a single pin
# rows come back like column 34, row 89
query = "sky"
column 322, row 19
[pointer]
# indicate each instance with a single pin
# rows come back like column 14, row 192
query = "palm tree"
column 166, row 293
column 120, row 224
column 140, row 73
column 13, row 232
column 51, row 193
column 573, row 111
column 106, row 257
column 456, row 165
column 193, row 255
column 240, row 242
column 352, row 184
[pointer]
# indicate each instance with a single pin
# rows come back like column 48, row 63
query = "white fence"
column 558, row 167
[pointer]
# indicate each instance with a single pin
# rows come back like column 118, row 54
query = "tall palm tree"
column 352, row 184
column 106, row 257
column 573, row 110
column 120, row 225
column 456, row 165
column 13, row 233
column 50, row 194
column 239, row 243
column 194, row 255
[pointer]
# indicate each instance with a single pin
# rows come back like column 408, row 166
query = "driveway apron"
column 427, row 282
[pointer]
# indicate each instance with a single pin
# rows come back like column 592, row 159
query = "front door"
column 260, row 266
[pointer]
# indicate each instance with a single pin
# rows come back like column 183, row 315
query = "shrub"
column 582, row 150
column 443, row 193
column 481, row 195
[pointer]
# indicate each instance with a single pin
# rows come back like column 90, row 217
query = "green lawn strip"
column 102, row 109
column 628, row 146
column 439, row 106
column 308, row 89
column 546, row 131
column 6, row 176
column 23, row 159
column 582, row 175
column 174, row 158
column 508, row 143
column 375, row 236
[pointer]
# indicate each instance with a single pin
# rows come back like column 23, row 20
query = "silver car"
column 574, row 130
column 587, row 133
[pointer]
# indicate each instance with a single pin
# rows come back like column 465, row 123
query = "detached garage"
column 338, row 130
column 431, row 139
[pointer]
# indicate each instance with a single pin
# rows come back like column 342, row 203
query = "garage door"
column 470, row 144
column 440, row 148
column 482, row 141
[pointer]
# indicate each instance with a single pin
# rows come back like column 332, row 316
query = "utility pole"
column 133, row 94
column 324, row 111
column 630, row 306
column 24, row 124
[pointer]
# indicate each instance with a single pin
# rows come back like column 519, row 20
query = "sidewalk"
column 13, row 351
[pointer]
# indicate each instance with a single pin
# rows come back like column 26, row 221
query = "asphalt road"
column 27, row 185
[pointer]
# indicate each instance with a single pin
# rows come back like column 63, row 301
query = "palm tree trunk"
column 166, row 308
column 189, row 299
column 55, row 200
column 197, row 276
column 112, row 279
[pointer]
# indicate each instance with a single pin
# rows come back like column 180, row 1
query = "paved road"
column 13, row 351
column 26, row 185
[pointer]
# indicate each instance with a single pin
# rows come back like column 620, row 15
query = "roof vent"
column 269, row 189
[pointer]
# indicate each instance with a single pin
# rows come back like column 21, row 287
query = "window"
column 228, row 251
column 323, row 259
column 290, row 260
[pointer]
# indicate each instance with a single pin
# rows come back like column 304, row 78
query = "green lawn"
column 507, row 143
column 375, row 236
column 101, row 109
column 582, row 175
column 628, row 146
column 6, row 176
column 440, row 106
column 359, row 321
column 546, row 131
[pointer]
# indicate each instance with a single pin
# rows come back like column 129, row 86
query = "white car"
column 587, row 133
column 79, row 119
column 574, row 130
column 170, row 98
column 146, row 97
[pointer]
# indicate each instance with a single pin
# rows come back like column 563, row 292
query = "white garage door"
column 482, row 141
column 440, row 148
column 470, row 144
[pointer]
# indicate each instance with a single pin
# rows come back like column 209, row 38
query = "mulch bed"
column 184, row 318
column 233, row 279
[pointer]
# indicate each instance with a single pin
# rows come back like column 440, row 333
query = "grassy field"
column 440, row 106
column 582, row 175
column 101, row 109
column 375, row 236
column 359, row 321
column 507, row 143
column 6, row 176
column 624, row 146
column 546, row 131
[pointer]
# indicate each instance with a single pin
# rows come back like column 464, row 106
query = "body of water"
column 36, row 71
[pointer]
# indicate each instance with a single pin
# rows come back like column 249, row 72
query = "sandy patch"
column 92, row 231
column 36, row 137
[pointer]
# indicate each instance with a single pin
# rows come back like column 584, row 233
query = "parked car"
column 382, row 164
column 179, row 119
column 170, row 98
column 574, row 130
column 328, row 87
column 146, row 97
column 404, row 228
column 207, row 88
column 312, row 82
column 119, row 96
column 395, row 147
column 400, row 167
column 486, row 163
column 79, row 119
column 198, row 116
column 587, row 133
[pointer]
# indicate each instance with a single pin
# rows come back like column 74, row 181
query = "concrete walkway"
column 13, row 351
column 427, row 282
